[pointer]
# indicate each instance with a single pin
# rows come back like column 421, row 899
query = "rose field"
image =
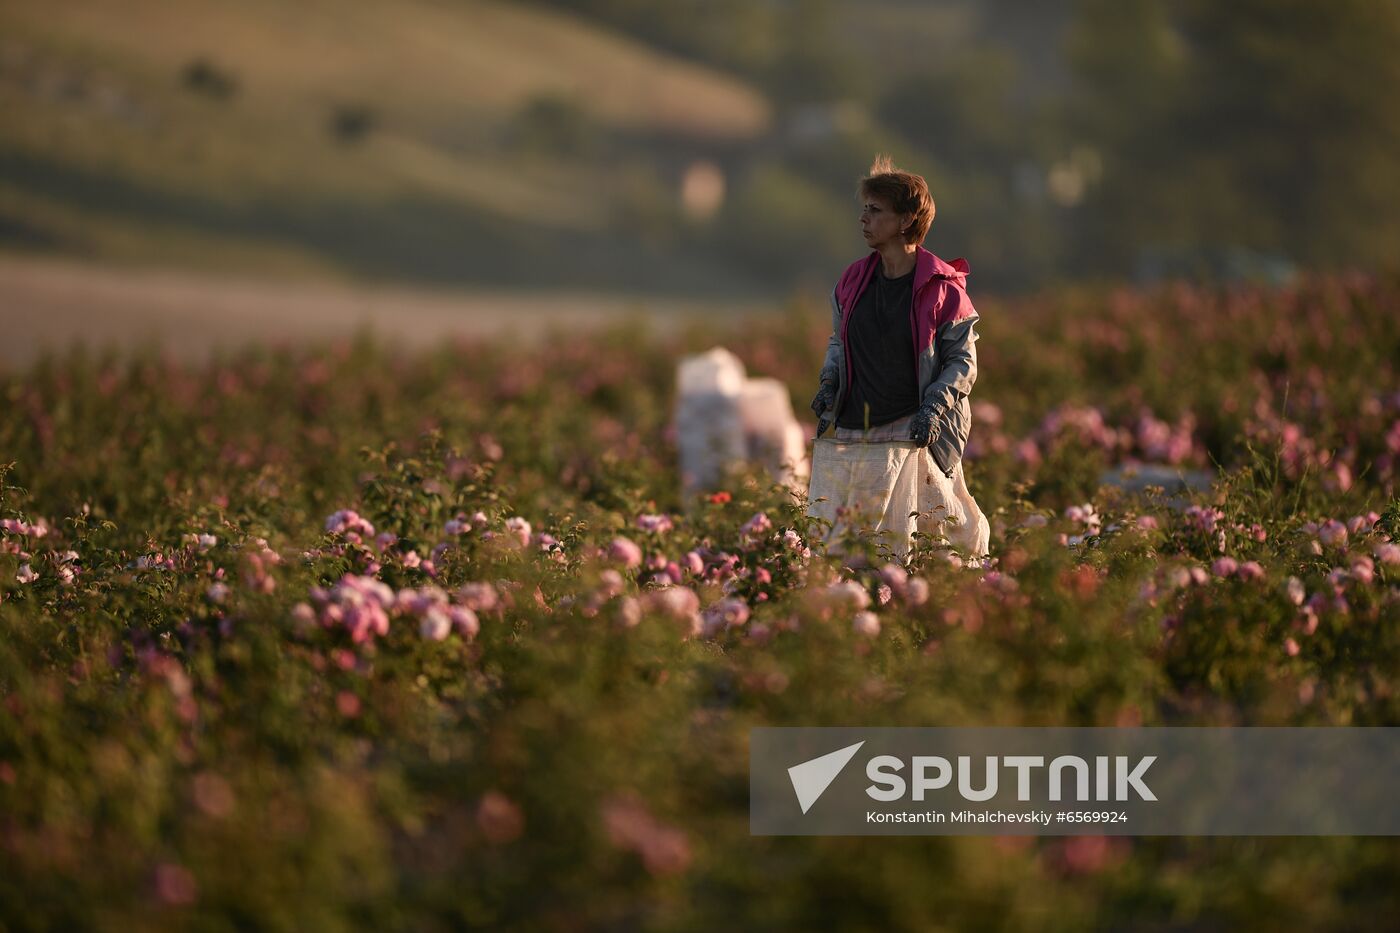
column 347, row 637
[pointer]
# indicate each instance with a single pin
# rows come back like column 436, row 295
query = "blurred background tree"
column 1265, row 126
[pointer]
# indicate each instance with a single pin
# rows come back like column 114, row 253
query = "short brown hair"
column 906, row 192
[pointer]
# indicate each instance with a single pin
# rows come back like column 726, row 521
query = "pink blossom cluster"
column 348, row 524
column 1322, row 602
column 1001, row 583
column 1166, row 443
column 655, row 524
column 483, row 597
column 462, row 524
column 663, row 571
column 182, row 558
column 364, row 606
column 625, row 553
column 866, row 623
column 792, row 541
column 1363, row 569
column 158, row 665
column 611, row 589
column 65, row 567
column 355, row 530
column 844, row 596
column 756, row 530
column 697, row 564
column 156, row 561
column 1254, row 532
column 199, row 542
column 1311, row 608
column 723, row 615
column 1333, row 533
column 1149, row 437
column 703, row 563
column 548, row 545
column 15, row 526
column 761, row 576
column 1362, row 524
column 517, row 530
column 851, row 598
column 257, row 564
column 679, row 604
column 911, row 591
column 1084, row 516
column 1331, row 600
column 1175, row 578
column 630, row 826
column 1203, row 518
column 1298, row 453
column 1085, row 425
column 987, row 415
column 1227, row 566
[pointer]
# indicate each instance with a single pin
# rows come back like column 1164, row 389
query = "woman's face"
column 880, row 224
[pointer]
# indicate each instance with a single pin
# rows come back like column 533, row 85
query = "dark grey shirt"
column 880, row 340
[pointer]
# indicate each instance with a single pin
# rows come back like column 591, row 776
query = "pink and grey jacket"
column 943, row 322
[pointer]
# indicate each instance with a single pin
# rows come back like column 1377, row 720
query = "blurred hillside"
column 705, row 147
column 453, row 142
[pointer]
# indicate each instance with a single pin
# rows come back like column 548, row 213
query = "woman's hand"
column 921, row 426
column 824, row 399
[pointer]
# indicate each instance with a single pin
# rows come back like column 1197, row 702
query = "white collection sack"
column 877, row 485
column 725, row 419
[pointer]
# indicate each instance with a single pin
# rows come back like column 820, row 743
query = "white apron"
column 878, row 484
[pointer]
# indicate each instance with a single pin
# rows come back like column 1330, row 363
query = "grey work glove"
column 824, row 399
column 921, row 426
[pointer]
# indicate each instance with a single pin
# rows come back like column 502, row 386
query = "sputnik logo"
column 811, row 778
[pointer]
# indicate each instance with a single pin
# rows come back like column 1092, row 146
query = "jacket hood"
column 928, row 266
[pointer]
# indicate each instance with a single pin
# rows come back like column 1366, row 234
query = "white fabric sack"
column 877, row 485
column 725, row 419
column 771, row 432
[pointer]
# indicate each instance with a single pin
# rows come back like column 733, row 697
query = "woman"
column 899, row 367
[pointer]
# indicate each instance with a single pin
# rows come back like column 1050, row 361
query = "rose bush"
column 347, row 638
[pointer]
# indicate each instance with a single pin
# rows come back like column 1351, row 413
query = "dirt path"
column 51, row 303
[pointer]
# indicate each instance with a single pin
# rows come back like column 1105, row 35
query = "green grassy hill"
column 444, row 141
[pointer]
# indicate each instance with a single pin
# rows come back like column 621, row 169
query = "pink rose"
column 625, row 552
column 1332, row 532
column 519, row 529
column 1224, row 566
